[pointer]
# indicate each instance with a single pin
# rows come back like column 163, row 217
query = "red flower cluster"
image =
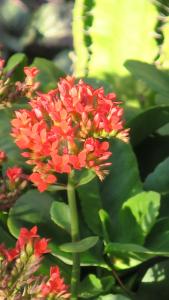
column 23, row 260
column 37, row 246
column 55, row 285
column 62, row 131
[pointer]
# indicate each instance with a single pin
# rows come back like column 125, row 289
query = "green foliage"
column 90, row 201
column 115, row 189
column 80, row 246
column 158, row 180
column 148, row 122
column 139, row 214
column 60, row 214
column 48, row 75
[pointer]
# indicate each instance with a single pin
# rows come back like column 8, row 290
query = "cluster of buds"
column 64, row 130
column 18, row 266
column 12, row 184
column 11, row 91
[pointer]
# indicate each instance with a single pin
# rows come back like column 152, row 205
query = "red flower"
column 64, row 128
column 3, row 156
column 42, row 181
column 31, row 71
column 40, row 247
column 55, row 285
column 26, row 235
column 14, row 173
column 2, row 62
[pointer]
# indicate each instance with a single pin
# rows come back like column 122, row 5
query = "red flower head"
column 2, row 62
column 40, row 247
column 55, row 285
column 31, row 71
column 14, row 173
column 63, row 130
column 3, row 156
column 26, row 236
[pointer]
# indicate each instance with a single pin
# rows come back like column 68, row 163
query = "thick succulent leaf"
column 80, row 246
column 157, row 80
column 92, row 286
column 158, row 180
column 139, row 215
column 60, row 215
column 122, row 182
column 90, row 201
column 148, row 122
column 158, row 240
column 33, row 208
column 49, row 73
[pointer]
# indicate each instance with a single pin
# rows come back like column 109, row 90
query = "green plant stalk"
column 75, row 236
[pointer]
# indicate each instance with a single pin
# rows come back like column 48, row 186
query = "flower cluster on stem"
column 65, row 129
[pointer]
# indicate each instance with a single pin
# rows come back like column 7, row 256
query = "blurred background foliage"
column 37, row 28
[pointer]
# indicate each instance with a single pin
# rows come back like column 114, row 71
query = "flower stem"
column 75, row 237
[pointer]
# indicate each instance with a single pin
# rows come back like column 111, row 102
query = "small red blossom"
column 14, row 173
column 42, row 181
column 31, row 71
column 2, row 62
column 55, row 285
column 3, row 156
column 26, row 235
column 64, row 129
column 40, row 247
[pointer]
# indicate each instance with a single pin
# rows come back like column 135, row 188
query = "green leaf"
column 88, row 258
column 154, row 78
column 122, row 182
column 84, row 176
column 90, row 201
column 155, row 117
column 91, row 286
column 80, row 246
column 6, row 238
column 105, row 221
column 158, row 180
column 16, row 63
column 113, row 297
column 33, row 208
column 158, row 240
column 139, row 215
column 60, row 215
column 49, row 73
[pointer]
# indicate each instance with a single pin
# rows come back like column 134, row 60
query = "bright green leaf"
column 139, row 215
column 80, row 246
column 60, row 215
column 16, row 64
column 122, row 182
column 91, row 286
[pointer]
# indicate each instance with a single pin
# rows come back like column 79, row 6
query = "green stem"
column 75, row 237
